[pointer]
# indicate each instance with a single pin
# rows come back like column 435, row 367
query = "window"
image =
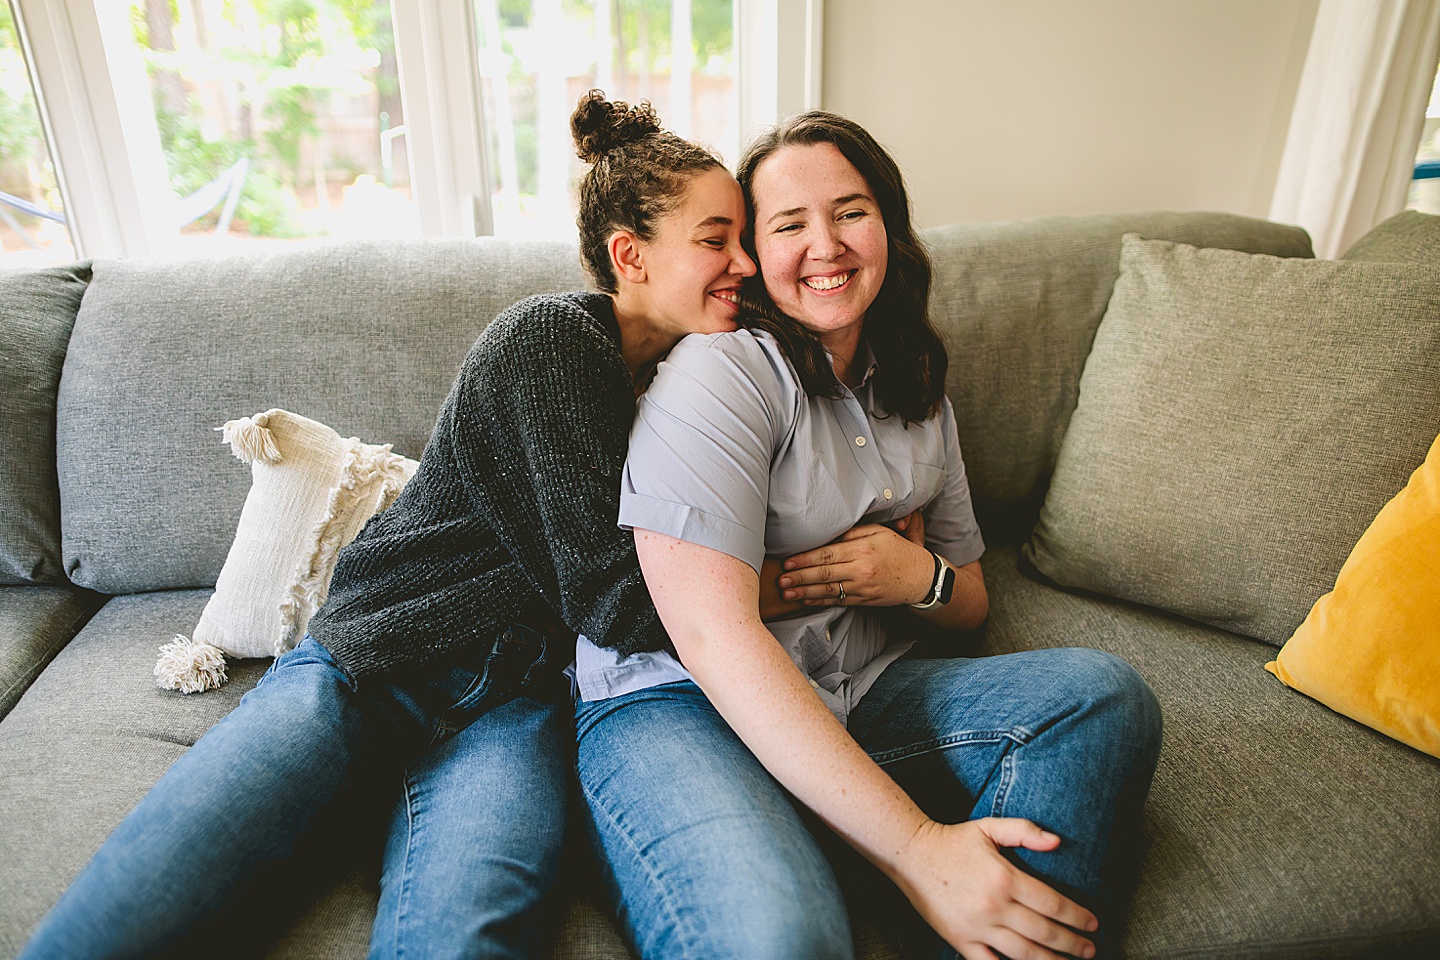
column 278, row 120
column 199, row 126
column 32, row 217
column 537, row 59
column 1425, row 189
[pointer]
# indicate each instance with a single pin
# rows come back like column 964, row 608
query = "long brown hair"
column 638, row 172
column 910, row 356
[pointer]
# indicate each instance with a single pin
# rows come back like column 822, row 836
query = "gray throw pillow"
column 1017, row 304
column 1242, row 419
column 37, row 311
column 1409, row 237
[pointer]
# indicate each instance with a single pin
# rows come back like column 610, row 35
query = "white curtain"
column 1358, row 116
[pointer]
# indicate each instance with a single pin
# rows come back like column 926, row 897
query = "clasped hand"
column 869, row 565
column 982, row 904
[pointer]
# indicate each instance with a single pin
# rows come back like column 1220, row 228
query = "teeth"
column 730, row 296
column 827, row 283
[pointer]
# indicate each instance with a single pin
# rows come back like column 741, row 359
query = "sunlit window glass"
column 279, row 119
column 537, row 57
column 33, row 230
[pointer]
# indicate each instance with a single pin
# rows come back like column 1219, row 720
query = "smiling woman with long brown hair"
column 995, row 793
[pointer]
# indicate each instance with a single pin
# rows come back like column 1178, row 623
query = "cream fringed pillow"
column 311, row 493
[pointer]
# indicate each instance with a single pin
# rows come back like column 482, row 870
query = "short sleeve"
column 950, row 527
column 702, row 444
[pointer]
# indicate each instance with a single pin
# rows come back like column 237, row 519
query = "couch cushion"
column 37, row 308
column 1018, row 304
column 85, row 743
column 35, row 623
column 1409, row 237
column 1370, row 648
column 72, row 773
column 1241, row 421
column 88, row 739
column 365, row 337
column 1275, row 827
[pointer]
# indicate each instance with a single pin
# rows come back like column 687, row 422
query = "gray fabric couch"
column 1275, row 828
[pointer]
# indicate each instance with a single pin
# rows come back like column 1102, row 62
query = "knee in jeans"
column 308, row 686
column 1113, row 692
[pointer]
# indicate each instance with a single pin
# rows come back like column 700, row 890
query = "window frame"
column 93, row 98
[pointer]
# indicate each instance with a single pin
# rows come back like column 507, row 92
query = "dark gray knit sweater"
column 510, row 519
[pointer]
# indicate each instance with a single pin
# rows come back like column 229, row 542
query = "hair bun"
column 599, row 125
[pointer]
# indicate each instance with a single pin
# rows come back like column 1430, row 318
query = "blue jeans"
column 708, row 857
column 482, row 760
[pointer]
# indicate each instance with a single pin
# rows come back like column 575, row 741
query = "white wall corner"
column 780, row 46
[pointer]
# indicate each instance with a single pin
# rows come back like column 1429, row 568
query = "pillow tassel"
column 190, row 666
column 250, row 440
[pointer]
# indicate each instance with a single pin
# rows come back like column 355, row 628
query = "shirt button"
column 859, row 441
column 888, row 494
column 814, row 684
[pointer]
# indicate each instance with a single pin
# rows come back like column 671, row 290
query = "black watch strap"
column 942, row 586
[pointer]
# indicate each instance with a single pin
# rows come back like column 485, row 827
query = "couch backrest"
column 37, row 311
column 1018, row 304
column 365, row 337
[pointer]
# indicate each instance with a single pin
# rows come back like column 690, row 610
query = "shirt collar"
column 867, row 359
column 870, row 365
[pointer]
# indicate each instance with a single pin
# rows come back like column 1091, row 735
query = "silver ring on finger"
column 841, row 596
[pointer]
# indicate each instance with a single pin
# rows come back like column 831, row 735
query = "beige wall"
column 1000, row 109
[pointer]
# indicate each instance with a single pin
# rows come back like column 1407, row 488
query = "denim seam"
column 402, row 896
column 446, row 724
column 1019, row 735
column 1007, row 780
column 596, row 804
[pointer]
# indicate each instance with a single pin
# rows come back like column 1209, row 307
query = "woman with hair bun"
column 438, row 654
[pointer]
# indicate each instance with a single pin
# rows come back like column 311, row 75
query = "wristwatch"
column 943, row 586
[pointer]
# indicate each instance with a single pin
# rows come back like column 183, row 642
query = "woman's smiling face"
column 820, row 239
column 695, row 261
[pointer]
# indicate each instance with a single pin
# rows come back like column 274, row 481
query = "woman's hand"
column 772, row 603
column 980, row 902
column 875, row 566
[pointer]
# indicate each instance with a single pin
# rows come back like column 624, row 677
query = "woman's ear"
column 627, row 255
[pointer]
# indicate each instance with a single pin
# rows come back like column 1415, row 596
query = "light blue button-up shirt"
column 727, row 451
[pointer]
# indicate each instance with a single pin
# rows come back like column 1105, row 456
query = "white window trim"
column 435, row 44
column 779, row 57
column 94, row 102
column 780, row 46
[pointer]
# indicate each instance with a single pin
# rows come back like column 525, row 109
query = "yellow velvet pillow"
column 1370, row 648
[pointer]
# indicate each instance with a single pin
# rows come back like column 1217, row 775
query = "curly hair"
column 637, row 174
column 911, row 357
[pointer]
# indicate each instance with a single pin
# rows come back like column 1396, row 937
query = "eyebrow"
column 714, row 222
column 838, row 202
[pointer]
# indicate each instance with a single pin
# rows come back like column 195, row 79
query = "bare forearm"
column 773, row 709
column 969, row 603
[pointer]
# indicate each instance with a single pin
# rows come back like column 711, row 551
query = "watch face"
column 947, row 583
